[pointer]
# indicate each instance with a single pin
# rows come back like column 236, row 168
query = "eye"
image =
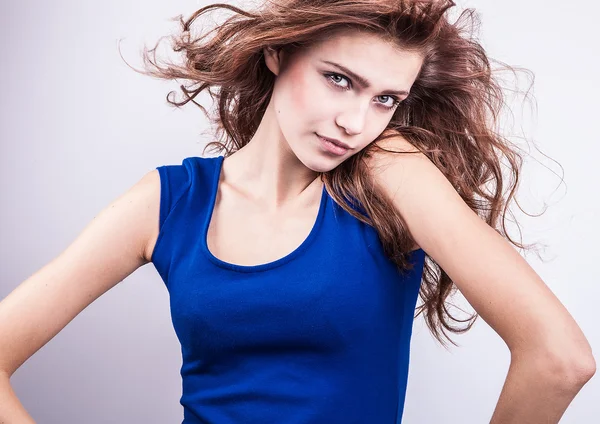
column 334, row 77
column 395, row 101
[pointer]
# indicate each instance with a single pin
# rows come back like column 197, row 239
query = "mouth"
column 336, row 142
column 332, row 147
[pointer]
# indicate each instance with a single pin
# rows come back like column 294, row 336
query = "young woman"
column 360, row 168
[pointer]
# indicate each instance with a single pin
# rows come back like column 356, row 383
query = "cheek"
column 300, row 92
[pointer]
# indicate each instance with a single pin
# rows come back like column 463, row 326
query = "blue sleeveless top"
column 321, row 335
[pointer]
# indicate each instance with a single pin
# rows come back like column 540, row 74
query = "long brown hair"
column 451, row 114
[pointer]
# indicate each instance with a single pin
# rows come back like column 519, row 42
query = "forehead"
column 383, row 63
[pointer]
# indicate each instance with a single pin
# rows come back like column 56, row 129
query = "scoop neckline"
column 264, row 266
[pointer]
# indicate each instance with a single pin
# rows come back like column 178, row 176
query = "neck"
column 267, row 171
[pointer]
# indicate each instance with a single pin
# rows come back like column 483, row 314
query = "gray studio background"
column 78, row 128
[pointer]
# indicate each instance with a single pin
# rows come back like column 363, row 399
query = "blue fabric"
column 321, row 335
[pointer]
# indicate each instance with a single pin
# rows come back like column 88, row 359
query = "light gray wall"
column 78, row 127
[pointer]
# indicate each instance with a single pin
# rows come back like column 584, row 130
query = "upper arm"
column 110, row 247
column 499, row 284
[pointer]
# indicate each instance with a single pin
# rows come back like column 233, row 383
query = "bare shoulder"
column 139, row 208
column 149, row 188
column 395, row 166
column 427, row 201
column 111, row 247
column 396, row 153
column 397, row 143
column 494, row 278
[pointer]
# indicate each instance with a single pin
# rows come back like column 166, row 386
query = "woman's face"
column 316, row 93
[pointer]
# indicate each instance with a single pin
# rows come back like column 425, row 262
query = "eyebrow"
column 362, row 81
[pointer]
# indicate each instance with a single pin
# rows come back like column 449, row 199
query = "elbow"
column 570, row 370
column 582, row 369
column 573, row 370
column 580, row 364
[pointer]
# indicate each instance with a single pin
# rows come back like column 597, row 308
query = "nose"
column 353, row 118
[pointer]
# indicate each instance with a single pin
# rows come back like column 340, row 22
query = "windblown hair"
column 451, row 115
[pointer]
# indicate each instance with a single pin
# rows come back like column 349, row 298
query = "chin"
column 324, row 164
column 319, row 167
column 318, row 161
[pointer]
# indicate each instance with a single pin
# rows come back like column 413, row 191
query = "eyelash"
column 331, row 74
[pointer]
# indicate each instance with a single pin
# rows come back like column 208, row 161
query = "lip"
column 335, row 141
column 331, row 147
